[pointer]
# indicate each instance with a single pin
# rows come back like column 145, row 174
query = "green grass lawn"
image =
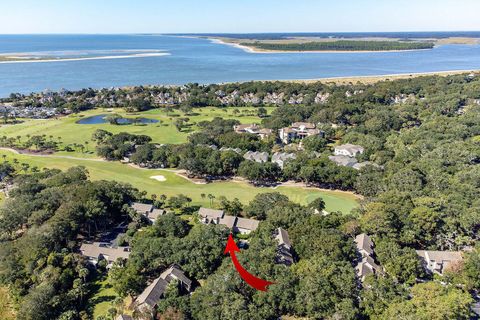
column 141, row 179
column 165, row 132
column 102, row 299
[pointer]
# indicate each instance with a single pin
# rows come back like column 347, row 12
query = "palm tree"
column 83, row 273
column 25, row 167
column 211, row 197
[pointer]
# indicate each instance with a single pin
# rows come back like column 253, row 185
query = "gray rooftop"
column 365, row 243
column 283, row 238
column 155, row 214
column 247, row 224
column 154, row 292
column 256, row 156
column 142, row 207
column 98, row 250
column 343, row 160
column 228, row 221
column 210, row 213
column 352, row 148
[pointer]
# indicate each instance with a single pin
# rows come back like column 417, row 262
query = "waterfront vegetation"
column 341, row 45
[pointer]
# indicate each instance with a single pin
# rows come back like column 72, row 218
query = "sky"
column 236, row 16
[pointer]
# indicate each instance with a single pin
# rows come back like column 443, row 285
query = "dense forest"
column 342, row 45
column 423, row 193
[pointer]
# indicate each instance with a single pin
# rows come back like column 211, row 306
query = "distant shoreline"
column 252, row 49
column 378, row 78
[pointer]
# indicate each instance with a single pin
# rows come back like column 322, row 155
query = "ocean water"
column 98, row 61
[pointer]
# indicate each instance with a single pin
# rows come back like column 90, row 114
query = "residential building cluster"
column 29, row 112
column 434, row 262
column 236, row 224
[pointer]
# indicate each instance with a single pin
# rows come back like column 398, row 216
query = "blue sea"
column 98, row 61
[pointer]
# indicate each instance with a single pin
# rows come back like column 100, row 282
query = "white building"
column 439, row 261
column 349, row 150
column 97, row 251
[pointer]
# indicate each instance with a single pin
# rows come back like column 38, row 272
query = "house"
column 280, row 158
column 236, row 150
column 287, row 135
column 284, row 248
column 344, row 161
column 236, row 224
column 303, row 125
column 124, row 317
column 142, row 208
column 361, row 165
column 367, row 265
column 247, row 128
column 97, row 251
column 155, row 214
column 364, row 244
column 265, row 133
column 149, row 298
column 299, row 130
column 349, row 150
column 245, row 226
column 259, row 157
column 228, row 221
column 147, row 210
column 253, row 129
column 210, row 215
column 439, row 261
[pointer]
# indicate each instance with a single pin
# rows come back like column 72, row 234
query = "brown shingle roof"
column 210, row 213
column 156, row 213
column 96, row 251
column 142, row 207
column 247, row 224
column 228, row 221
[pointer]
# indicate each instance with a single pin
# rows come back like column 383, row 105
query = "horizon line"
column 238, row 33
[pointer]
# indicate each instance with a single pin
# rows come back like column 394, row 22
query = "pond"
column 99, row 119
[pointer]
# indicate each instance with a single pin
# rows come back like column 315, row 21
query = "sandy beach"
column 386, row 77
column 139, row 55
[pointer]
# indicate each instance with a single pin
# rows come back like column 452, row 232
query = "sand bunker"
column 158, row 178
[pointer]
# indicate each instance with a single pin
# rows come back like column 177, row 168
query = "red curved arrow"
column 253, row 281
